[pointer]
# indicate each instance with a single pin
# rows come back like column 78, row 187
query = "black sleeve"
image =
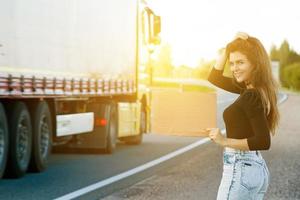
column 252, row 105
column 216, row 77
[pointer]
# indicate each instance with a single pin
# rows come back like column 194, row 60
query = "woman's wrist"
column 220, row 64
column 221, row 61
column 224, row 142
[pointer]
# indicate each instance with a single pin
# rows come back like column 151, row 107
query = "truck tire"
column 41, row 136
column 3, row 140
column 20, row 139
column 112, row 129
column 137, row 139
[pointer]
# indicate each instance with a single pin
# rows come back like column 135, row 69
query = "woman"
column 249, row 120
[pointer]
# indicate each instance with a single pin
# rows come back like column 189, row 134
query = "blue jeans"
column 245, row 175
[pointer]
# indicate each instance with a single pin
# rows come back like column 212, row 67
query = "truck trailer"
column 73, row 76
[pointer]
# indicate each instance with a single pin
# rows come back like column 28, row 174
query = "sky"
column 196, row 29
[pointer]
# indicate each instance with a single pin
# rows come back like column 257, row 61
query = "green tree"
column 287, row 69
column 294, row 57
column 274, row 53
column 284, row 52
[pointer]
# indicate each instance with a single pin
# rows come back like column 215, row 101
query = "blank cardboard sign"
column 183, row 113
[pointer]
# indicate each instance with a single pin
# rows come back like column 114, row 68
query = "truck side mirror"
column 157, row 25
column 152, row 25
column 155, row 39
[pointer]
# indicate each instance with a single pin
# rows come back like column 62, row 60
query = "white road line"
column 285, row 96
column 133, row 171
column 141, row 168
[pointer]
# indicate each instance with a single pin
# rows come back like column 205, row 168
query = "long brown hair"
column 261, row 76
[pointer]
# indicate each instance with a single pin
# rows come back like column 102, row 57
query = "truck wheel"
column 20, row 130
column 112, row 129
column 42, row 136
column 3, row 140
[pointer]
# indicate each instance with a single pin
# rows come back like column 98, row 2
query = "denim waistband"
column 235, row 155
column 241, row 152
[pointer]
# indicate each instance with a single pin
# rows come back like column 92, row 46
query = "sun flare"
column 197, row 29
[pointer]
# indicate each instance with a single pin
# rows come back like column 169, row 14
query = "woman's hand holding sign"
column 215, row 135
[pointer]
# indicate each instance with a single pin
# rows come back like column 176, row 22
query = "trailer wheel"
column 42, row 136
column 3, row 140
column 19, row 140
column 112, row 129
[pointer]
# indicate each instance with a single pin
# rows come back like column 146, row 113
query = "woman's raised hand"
column 241, row 35
column 223, row 54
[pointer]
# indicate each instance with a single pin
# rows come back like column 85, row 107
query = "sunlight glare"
column 197, row 29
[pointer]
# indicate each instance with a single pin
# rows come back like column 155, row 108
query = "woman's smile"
column 238, row 74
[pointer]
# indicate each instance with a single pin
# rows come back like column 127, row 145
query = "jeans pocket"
column 252, row 175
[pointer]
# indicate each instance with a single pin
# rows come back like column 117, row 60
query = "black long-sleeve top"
column 245, row 117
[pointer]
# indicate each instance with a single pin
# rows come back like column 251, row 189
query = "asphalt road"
column 68, row 173
column 198, row 176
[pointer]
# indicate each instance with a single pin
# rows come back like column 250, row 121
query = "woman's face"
column 240, row 66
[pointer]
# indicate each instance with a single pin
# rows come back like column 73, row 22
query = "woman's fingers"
column 241, row 35
column 211, row 135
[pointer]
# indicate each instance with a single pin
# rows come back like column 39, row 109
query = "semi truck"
column 73, row 76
